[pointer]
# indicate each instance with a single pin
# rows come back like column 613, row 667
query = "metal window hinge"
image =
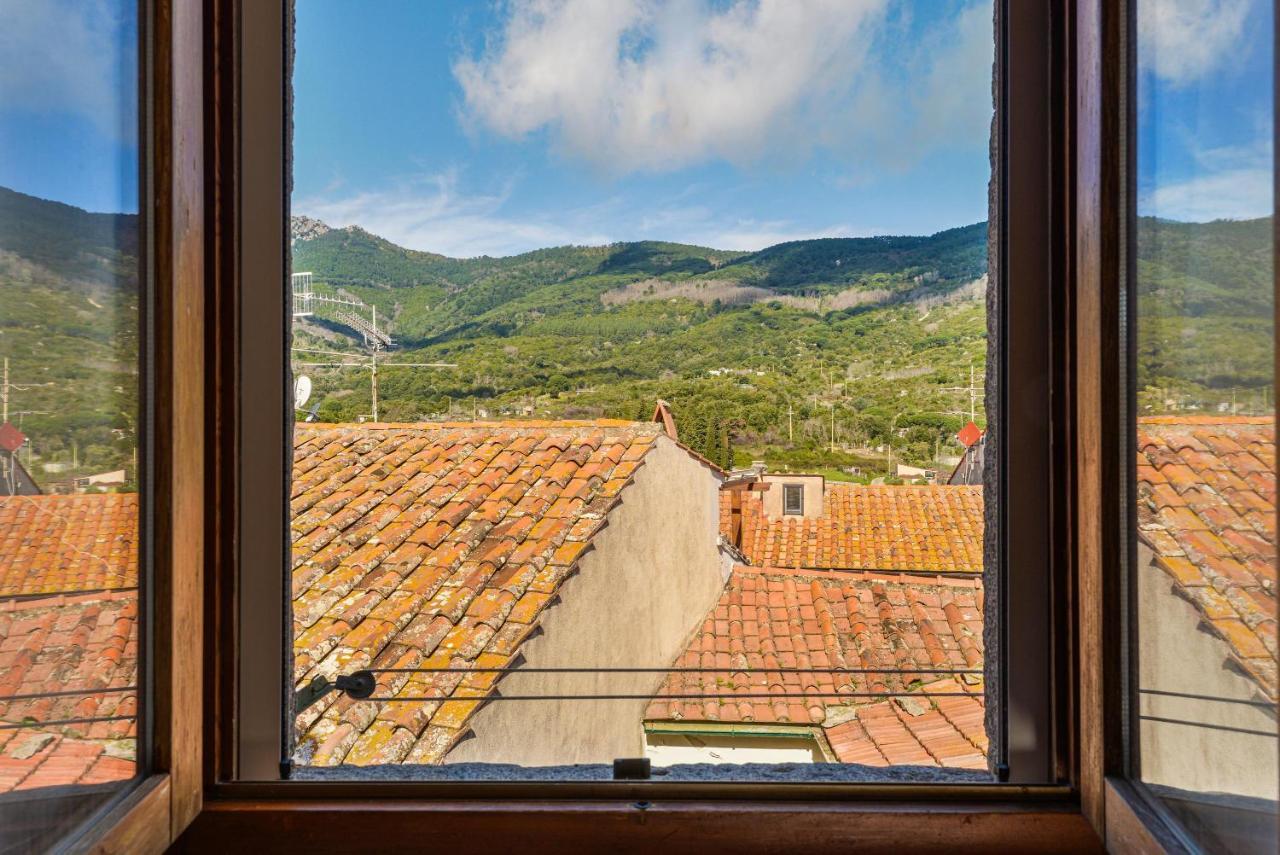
column 358, row 685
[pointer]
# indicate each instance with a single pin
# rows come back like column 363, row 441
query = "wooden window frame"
column 193, row 148
column 170, row 791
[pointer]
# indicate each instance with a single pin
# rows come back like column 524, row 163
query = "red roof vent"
column 969, row 434
column 11, row 439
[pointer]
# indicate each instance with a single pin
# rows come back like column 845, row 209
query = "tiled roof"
column 770, row 618
column 63, row 544
column 429, row 546
column 936, row 528
column 916, row 731
column 30, row 759
column 1207, row 510
column 64, row 644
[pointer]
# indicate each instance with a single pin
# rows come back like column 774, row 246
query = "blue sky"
column 496, row 127
column 490, row 128
column 69, row 101
column 1205, row 108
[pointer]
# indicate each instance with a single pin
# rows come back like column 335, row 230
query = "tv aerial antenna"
column 347, row 311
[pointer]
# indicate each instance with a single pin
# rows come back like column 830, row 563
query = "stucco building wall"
column 651, row 579
column 814, row 486
column 1222, row 742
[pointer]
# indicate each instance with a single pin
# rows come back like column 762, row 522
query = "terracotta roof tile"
column 1213, row 533
column 773, row 618
column 439, row 545
column 936, row 528
column 916, row 730
column 65, row 544
column 64, row 644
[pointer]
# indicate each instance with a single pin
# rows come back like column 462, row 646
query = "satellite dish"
column 301, row 391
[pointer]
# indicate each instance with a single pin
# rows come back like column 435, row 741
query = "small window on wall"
column 793, row 499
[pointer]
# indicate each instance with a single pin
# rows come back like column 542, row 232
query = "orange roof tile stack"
column 1207, row 510
column 63, row 544
column 432, row 546
column 775, row 618
column 85, row 645
column 934, row 528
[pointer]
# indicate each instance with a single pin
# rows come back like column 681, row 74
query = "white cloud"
column 646, row 85
column 1182, row 40
column 69, row 55
column 1231, row 194
column 700, row 225
column 1227, row 182
column 429, row 213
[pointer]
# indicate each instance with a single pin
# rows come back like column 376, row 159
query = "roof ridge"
column 963, row 580
column 506, row 424
column 1206, row 420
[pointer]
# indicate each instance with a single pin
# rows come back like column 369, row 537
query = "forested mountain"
column 69, row 328
column 760, row 353
column 1205, row 313
column 868, row 333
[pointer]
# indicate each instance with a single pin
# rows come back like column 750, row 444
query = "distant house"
column 970, row 468
column 916, row 473
column 768, row 639
column 68, row 639
column 1206, row 601
column 15, row 480
column 929, row 528
column 863, row 578
column 467, row 546
column 114, row 478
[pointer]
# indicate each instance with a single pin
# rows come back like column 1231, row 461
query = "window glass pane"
column 587, row 298
column 69, row 393
column 1205, row 573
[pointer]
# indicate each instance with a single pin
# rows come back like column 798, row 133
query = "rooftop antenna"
column 305, row 300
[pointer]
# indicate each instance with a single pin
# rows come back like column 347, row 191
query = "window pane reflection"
column 1206, row 516
column 69, row 395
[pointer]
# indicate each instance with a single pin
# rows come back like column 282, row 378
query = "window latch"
column 358, row 685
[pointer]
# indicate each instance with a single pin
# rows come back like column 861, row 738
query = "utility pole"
column 790, row 433
column 833, row 427
column 372, row 365
column 973, row 396
column 5, row 419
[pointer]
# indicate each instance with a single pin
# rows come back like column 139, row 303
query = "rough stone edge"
column 991, row 457
column 709, row 772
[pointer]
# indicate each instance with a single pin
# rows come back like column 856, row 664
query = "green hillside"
column 69, row 328
column 878, row 332
column 1205, row 312
column 759, row 353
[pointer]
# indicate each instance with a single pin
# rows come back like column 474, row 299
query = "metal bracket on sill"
column 358, row 685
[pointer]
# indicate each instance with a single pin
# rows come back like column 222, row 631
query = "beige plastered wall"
column 1221, row 742
column 814, row 485
column 639, row 595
